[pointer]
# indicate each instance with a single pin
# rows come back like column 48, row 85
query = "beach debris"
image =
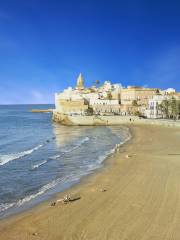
column 69, row 198
column 66, row 199
column 53, row 204
column 103, row 190
column 35, row 234
column 130, row 155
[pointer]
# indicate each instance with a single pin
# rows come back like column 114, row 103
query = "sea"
column 39, row 157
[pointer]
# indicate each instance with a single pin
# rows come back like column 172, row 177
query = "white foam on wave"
column 5, row 206
column 105, row 155
column 13, row 156
column 35, row 166
column 128, row 137
column 110, row 152
column 79, row 144
column 45, row 188
column 56, row 156
column 42, row 190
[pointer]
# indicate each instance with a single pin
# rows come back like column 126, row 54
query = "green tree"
column 173, row 108
column 178, row 109
column 137, row 113
column 89, row 111
column 134, row 103
column 109, row 96
column 170, row 108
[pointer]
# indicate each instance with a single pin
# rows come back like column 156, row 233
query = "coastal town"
column 107, row 99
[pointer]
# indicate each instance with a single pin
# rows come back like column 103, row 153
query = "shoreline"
column 103, row 120
column 116, row 175
column 48, row 197
column 107, row 162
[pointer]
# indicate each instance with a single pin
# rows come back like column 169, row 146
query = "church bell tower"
column 80, row 82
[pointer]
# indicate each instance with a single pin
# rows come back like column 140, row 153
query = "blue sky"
column 45, row 44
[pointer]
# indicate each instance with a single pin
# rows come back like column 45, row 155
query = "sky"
column 45, row 44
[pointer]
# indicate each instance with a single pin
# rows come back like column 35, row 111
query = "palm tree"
column 164, row 107
column 178, row 109
column 173, row 108
column 170, row 108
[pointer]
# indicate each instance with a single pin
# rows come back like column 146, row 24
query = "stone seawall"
column 41, row 110
column 79, row 120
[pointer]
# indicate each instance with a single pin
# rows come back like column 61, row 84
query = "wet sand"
column 142, row 201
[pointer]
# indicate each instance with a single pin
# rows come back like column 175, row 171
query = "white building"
column 169, row 91
column 103, row 102
column 153, row 110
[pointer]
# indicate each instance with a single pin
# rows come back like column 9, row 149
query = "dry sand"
column 142, row 200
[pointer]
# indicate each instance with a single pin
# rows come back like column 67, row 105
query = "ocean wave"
column 46, row 187
column 71, row 177
column 13, row 156
column 5, row 206
column 75, row 176
column 110, row 152
column 42, row 190
column 35, row 166
column 127, row 138
column 78, row 144
column 105, row 155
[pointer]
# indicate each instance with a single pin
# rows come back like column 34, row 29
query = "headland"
column 113, row 104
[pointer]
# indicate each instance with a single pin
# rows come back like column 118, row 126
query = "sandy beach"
column 141, row 201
